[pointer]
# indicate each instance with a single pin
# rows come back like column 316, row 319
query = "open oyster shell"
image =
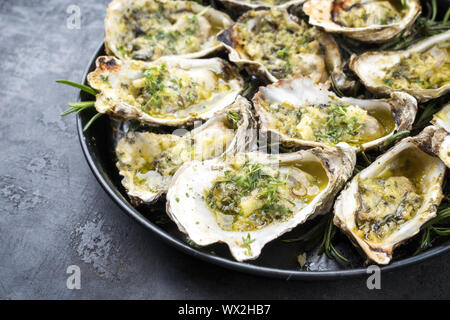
column 308, row 179
column 147, row 161
column 150, row 29
column 244, row 5
column 255, row 40
column 389, row 201
column 171, row 91
column 422, row 70
column 302, row 113
column 364, row 20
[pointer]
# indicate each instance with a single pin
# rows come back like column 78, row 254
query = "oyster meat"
column 273, row 44
column 150, row 29
column 364, row 20
column 422, row 70
column 302, row 113
column 249, row 199
column 171, row 92
column 389, row 201
column 147, row 161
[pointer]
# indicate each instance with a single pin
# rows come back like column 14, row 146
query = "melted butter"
column 153, row 30
column 235, row 211
column 359, row 14
column 329, row 124
column 284, row 47
column 171, row 93
column 393, row 197
column 425, row 70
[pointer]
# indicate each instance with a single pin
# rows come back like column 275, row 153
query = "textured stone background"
column 55, row 214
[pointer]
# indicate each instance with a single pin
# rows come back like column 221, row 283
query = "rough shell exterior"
column 441, row 137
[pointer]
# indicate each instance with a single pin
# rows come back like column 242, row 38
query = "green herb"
column 246, row 242
column 193, row 244
column 335, row 86
column 388, row 82
column 82, row 87
column 338, row 124
column 238, row 185
column 396, row 136
column 88, row 125
column 233, row 117
column 78, row 107
column 327, row 245
column 154, row 78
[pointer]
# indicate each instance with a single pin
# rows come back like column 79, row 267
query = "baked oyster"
column 364, row 20
column 147, row 161
column 422, row 70
column 244, row 5
column 302, row 113
column 150, row 29
column 171, row 91
column 273, row 44
column 249, row 199
column 389, row 201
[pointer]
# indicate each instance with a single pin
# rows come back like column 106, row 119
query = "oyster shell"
column 441, row 134
column 171, row 91
column 422, row 70
column 389, row 201
column 249, row 199
column 150, row 29
column 302, row 113
column 255, row 40
column 244, row 5
column 364, row 20
column 147, row 161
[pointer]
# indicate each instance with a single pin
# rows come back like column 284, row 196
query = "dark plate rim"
column 123, row 203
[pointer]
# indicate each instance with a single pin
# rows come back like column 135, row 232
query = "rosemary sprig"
column 396, row 136
column 77, row 107
column 95, row 117
column 436, row 226
column 327, row 245
column 335, row 86
column 80, row 86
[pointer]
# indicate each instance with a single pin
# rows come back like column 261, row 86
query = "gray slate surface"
column 55, row 214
